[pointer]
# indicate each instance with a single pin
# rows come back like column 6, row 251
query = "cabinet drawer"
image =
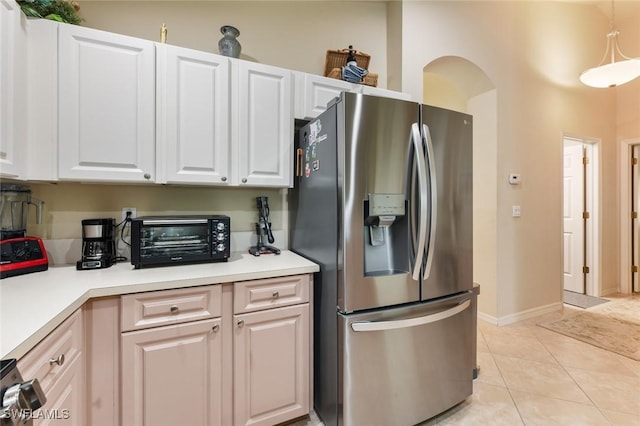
column 249, row 296
column 156, row 308
column 55, row 353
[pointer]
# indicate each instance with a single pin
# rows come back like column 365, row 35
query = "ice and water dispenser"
column 386, row 235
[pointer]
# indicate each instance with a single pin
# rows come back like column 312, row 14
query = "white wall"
column 288, row 34
column 533, row 53
column 485, row 199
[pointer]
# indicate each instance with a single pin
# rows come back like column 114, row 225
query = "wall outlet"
column 125, row 210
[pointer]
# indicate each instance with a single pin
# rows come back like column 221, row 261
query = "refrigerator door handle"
column 409, row 322
column 433, row 217
column 422, row 187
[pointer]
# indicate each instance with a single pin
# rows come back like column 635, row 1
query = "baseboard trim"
column 520, row 316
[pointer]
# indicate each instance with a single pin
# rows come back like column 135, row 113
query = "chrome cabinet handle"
column 59, row 360
column 147, row 176
column 224, row 178
column 244, row 180
column 275, row 294
column 240, row 323
column 174, row 309
column 215, row 328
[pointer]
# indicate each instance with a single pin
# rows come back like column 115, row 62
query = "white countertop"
column 32, row 305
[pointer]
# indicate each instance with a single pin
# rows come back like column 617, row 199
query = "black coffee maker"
column 98, row 244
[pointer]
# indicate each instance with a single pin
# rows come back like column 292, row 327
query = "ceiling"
column 622, row 8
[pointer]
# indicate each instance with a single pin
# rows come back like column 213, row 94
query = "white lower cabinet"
column 58, row 362
column 172, row 375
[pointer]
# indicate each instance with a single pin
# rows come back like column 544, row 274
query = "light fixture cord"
column 613, row 13
column 613, row 34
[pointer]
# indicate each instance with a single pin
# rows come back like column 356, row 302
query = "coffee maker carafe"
column 98, row 244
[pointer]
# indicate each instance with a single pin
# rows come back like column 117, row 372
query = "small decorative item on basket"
column 352, row 72
column 336, row 61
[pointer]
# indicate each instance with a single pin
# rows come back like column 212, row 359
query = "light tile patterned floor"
column 533, row 376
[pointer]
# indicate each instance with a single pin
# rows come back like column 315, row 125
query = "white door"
column 193, row 116
column 106, row 106
column 573, row 202
column 635, row 230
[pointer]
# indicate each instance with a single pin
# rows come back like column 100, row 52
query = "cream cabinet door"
column 263, row 97
column 58, row 362
column 66, row 400
column 271, row 365
column 193, row 143
column 106, row 106
column 172, row 375
column 12, row 93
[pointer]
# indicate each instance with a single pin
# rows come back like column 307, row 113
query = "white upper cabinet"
column 106, row 106
column 42, row 100
column 263, row 98
column 193, row 119
column 12, row 84
column 313, row 92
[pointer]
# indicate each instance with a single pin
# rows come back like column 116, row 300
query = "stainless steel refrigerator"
column 382, row 202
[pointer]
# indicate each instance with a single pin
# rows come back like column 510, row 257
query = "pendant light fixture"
column 613, row 73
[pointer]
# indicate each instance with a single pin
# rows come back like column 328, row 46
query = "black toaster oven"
column 169, row 240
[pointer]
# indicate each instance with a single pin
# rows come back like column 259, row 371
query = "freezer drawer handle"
column 410, row 322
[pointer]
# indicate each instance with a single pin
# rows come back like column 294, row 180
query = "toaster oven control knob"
column 220, row 236
column 220, row 226
column 220, row 247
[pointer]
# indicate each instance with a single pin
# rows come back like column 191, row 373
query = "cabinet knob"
column 244, row 180
column 147, row 176
column 215, row 328
column 240, row 323
column 173, row 309
column 275, row 294
column 59, row 360
column 224, row 178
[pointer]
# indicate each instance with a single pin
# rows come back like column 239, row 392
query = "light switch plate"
column 515, row 211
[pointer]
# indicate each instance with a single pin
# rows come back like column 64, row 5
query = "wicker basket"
column 370, row 79
column 338, row 59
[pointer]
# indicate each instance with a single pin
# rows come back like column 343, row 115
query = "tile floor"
column 533, row 376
